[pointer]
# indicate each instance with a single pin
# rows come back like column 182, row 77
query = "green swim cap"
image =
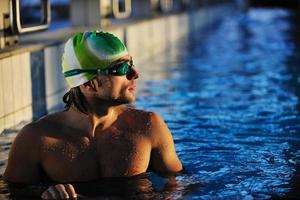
column 90, row 50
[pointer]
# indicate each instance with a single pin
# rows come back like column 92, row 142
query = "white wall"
column 15, row 90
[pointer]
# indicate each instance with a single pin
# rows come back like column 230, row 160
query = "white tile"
column 167, row 31
column 51, row 84
column 1, row 90
column 54, row 101
column 19, row 116
column 26, row 79
column 183, row 25
column 55, row 82
column 17, row 87
column 1, row 125
column 8, row 99
column 27, row 111
column 62, row 80
column 132, row 45
column 17, row 82
column 158, row 36
column 9, row 120
column 173, row 31
column 138, row 40
column 58, row 68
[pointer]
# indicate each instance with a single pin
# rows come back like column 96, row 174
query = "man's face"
column 118, row 89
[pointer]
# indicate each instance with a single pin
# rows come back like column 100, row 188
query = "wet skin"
column 123, row 149
column 112, row 140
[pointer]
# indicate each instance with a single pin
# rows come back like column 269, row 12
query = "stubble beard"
column 123, row 99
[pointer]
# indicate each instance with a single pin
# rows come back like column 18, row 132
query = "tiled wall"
column 55, row 84
column 15, row 90
column 31, row 83
column 148, row 38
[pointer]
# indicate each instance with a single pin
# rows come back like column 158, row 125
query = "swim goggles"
column 120, row 69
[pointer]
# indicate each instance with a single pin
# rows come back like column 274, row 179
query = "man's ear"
column 88, row 87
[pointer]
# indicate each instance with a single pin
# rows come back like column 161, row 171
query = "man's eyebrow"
column 121, row 60
column 124, row 59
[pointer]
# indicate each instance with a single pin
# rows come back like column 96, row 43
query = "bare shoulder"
column 138, row 119
column 133, row 112
column 29, row 132
column 34, row 131
column 159, row 131
column 152, row 118
column 141, row 117
column 50, row 119
column 26, row 150
column 151, row 121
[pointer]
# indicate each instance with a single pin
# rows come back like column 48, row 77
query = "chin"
column 130, row 99
column 125, row 100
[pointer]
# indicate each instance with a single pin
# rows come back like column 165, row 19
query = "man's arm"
column 23, row 161
column 163, row 155
column 23, row 172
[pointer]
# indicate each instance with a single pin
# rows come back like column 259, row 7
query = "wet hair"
column 75, row 98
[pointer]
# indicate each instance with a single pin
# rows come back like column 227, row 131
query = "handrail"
column 15, row 19
column 116, row 9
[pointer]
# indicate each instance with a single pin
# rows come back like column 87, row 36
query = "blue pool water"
column 231, row 101
column 232, row 104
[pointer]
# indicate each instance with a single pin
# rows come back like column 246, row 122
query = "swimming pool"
column 232, row 103
column 231, row 100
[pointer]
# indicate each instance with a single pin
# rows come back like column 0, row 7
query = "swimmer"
column 97, row 135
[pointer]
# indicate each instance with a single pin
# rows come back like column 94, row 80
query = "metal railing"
column 15, row 17
column 116, row 9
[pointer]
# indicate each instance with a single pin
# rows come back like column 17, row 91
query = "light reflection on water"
column 232, row 104
column 232, row 109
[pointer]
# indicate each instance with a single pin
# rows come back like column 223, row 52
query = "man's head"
column 98, row 67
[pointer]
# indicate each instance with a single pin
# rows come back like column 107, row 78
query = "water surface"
column 231, row 100
column 232, row 103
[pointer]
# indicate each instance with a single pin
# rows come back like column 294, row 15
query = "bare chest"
column 106, row 156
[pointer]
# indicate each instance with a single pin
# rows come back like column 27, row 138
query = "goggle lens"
column 120, row 69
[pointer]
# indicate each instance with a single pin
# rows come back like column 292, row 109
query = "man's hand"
column 60, row 191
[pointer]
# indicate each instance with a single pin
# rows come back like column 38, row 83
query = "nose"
column 133, row 74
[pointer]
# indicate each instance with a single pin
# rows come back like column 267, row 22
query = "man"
column 96, row 136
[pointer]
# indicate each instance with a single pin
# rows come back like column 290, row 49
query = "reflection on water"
column 231, row 101
column 144, row 186
column 4, row 193
column 232, row 108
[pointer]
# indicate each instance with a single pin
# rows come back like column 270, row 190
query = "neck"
column 102, row 118
column 101, row 115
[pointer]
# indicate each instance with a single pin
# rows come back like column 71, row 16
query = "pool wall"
column 31, row 83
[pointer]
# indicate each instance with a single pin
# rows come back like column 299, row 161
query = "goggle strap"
column 74, row 72
column 102, row 71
